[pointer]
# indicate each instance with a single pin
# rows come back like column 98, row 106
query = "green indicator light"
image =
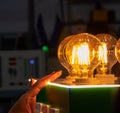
column 45, row 48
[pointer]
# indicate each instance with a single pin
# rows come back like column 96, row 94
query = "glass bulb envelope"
column 117, row 50
column 107, row 56
column 79, row 55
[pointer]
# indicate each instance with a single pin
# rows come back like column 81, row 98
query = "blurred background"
column 31, row 30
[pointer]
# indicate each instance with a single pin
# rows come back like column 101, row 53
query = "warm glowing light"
column 106, row 53
column 80, row 55
column 48, row 82
column 103, row 53
column 117, row 50
column 105, row 60
column 85, row 86
column 30, row 80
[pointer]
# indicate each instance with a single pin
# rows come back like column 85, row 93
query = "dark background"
column 32, row 24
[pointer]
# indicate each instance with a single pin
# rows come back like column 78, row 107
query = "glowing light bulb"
column 61, row 51
column 79, row 55
column 107, row 58
column 107, row 53
column 117, row 50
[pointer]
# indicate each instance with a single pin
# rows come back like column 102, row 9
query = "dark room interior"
column 31, row 31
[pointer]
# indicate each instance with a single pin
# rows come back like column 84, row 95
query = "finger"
column 35, row 89
column 33, row 81
column 32, row 103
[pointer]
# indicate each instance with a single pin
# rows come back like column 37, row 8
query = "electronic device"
column 18, row 66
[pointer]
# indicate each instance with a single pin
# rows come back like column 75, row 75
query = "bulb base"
column 106, row 78
column 81, row 81
column 85, row 81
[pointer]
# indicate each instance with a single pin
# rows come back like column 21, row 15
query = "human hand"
column 27, row 102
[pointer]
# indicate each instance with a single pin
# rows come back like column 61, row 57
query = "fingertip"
column 33, row 81
column 59, row 72
column 39, row 84
column 56, row 75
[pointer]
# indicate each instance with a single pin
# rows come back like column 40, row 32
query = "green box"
column 81, row 99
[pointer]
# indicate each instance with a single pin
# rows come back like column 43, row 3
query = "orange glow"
column 48, row 82
column 81, row 54
column 32, row 82
column 103, row 53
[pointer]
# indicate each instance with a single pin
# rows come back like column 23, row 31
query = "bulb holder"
column 85, row 81
column 107, row 55
column 99, row 79
column 106, row 78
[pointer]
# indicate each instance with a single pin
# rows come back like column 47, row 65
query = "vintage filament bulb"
column 61, row 50
column 117, row 50
column 107, row 58
column 107, row 54
column 79, row 55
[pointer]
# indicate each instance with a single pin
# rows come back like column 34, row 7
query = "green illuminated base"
column 81, row 100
